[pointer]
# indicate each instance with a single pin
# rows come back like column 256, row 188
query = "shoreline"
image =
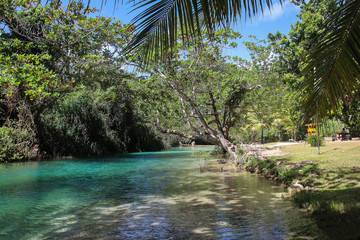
column 327, row 189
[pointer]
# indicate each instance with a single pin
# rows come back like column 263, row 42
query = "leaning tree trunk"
column 229, row 147
column 216, row 138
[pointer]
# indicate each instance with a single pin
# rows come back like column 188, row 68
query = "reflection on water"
column 158, row 195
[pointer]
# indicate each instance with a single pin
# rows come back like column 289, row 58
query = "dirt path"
column 269, row 151
column 280, row 144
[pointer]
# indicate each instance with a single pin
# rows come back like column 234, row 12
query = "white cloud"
column 276, row 12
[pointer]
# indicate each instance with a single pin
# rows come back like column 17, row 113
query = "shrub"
column 260, row 163
column 217, row 151
column 202, row 159
column 313, row 140
column 15, row 143
column 287, row 174
column 87, row 123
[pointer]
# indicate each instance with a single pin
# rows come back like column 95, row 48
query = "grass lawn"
column 334, row 176
column 337, row 166
column 333, row 154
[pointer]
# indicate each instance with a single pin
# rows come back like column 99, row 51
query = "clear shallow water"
column 159, row 195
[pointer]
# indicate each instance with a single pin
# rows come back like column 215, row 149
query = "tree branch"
column 186, row 117
column 216, row 115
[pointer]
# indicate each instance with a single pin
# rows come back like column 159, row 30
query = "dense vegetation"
column 68, row 88
column 63, row 91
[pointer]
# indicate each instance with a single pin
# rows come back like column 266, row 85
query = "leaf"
column 157, row 25
column 333, row 67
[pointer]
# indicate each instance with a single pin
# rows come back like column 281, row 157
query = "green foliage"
column 269, row 115
column 331, row 128
column 268, row 101
column 217, row 151
column 202, row 158
column 25, row 72
column 196, row 91
column 269, row 164
column 46, row 55
column 350, row 114
column 14, row 143
column 158, row 25
column 286, row 174
column 313, row 140
column 336, row 58
column 86, row 123
column 294, row 48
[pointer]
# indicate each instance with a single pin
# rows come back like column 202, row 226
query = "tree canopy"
column 332, row 67
column 62, row 78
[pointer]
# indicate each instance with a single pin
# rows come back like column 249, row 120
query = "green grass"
column 335, row 177
column 337, row 166
column 334, row 154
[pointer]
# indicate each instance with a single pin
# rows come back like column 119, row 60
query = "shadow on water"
column 194, row 212
column 143, row 196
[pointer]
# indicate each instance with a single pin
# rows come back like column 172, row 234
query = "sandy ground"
column 284, row 144
column 270, row 151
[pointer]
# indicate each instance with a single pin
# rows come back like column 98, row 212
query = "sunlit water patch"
column 159, row 195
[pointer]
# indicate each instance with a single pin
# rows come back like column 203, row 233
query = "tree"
column 160, row 22
column 350, row 113
column 303, row 36
column 266, row 103
column 333, row 67
column 294, row 48
column 95, row 121
column 47, row 52
column 196, row 93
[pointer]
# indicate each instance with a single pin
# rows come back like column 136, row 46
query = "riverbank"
column 327, row 186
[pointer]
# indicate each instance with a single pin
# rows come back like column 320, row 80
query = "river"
column 159, row 195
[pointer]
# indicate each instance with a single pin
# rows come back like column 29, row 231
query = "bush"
column 202, row 159
column 287, row 174
column 313, row 140
column 87, row 123
column 217, row 151
column 15, row 143
column 261, row 164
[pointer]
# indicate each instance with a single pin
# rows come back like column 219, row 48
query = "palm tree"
column 159, row 23
column 333, row 67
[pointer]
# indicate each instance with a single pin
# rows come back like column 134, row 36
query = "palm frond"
column 157, row 25
column 333, row 67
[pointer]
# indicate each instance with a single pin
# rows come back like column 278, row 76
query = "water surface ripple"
column 159, row 195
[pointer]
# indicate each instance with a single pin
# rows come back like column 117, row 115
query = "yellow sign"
column 312, row 128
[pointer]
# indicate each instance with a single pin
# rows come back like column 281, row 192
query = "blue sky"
column 279, row 19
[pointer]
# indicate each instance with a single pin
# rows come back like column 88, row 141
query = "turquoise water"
column 159, row 195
